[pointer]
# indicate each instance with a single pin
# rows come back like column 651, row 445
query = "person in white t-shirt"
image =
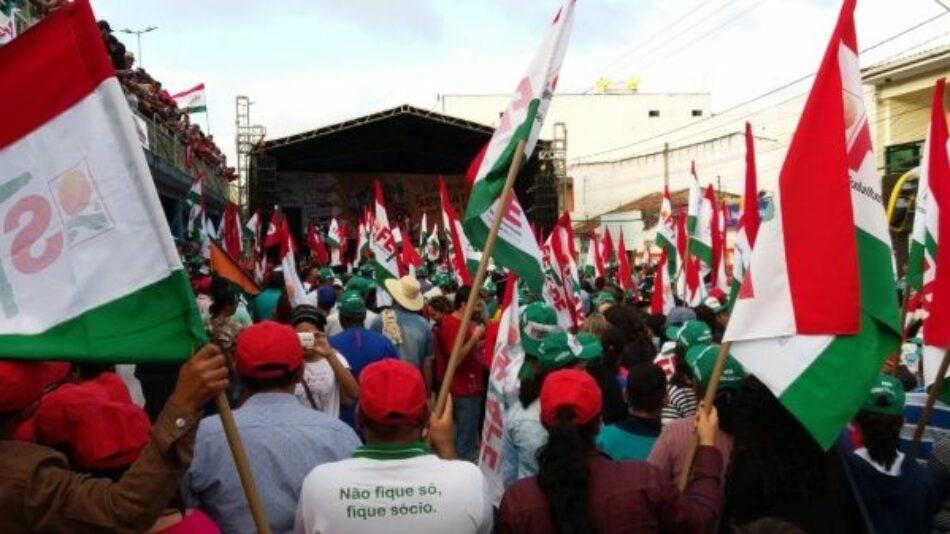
column 394, row 483
column 327, row 380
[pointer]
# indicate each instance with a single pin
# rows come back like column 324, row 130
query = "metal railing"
column 169, row 146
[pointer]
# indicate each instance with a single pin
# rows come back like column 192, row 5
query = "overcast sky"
column 307, row 63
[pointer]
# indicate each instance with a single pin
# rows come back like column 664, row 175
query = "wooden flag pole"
column 708, row 399
column 929, row 407
column 479, row 277
column 242, row 465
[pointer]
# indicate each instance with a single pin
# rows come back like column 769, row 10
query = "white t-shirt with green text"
column 390, row 488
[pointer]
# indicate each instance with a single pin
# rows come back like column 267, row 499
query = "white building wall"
column 595, row 122
column 716, row 144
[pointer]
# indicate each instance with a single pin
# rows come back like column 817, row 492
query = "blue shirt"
column 630, row 439
column 416, row 336
column 284, row 441
column 524, row 435
column 361, row 347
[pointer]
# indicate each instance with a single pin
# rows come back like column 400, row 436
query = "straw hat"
column 406, row 291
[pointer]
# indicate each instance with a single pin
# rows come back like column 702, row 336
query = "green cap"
column 690, row 333
column 421, row 271
column 561, row 349
column 604, row 297
column 538, row 320
column 886, row 397
column 351, row 303
column 442, row 280
column 366, row 270
column 490, row 287
column 714, row 304
column 326, row 274
column 702, row 359
column 359, row 284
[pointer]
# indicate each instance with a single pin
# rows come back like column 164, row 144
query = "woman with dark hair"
column 778, row 470
column 611, row 374
column 898, row 493
column 524, row 434
column 579, row 490
column 629, row 320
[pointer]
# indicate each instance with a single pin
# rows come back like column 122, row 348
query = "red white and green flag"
column 562, row 239
column 747, row 227
column 516, row 248
column 335, row 241
column 701, row 234
column 423, row 231
column 719, row 278
column 382, row 244
column 662, row 300
column 693, row 202
column 252, row 229
column 462, row 257
column 816, row 318
column 932, row 258
column 433, row 248
column 194, row 201
column 191, row 100
column 666, row 234
column 507, row 358
column 88, row 268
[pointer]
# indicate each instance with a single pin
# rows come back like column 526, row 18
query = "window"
column 901, row 158
column 697, row 113
column 654, row 113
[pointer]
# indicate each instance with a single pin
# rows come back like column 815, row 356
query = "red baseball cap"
column 21, row 383
column 572, row 389
column 54, row 373
column 99, row 432
column 268, row 350
column 114, row 386
column 392, row 392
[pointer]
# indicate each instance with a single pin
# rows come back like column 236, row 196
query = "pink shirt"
column 669, row 451
column 196, row 522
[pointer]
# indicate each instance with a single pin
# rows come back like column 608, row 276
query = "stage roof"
column 404, row 139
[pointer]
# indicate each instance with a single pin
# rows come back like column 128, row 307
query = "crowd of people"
column 332, row 400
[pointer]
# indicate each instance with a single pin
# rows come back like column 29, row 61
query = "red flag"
column 410, row 257
column 274, row 230
column 624, row 273
column 937, row 325
column 473, row 167
column 449, row 217
column 607, row 247
column 286, row 238
column 750, row 212
column 565, row 223
column 232, row 230
column 718, row 245
column 662, row 300
column 318, row 248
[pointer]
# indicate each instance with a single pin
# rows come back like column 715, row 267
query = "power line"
column 758, row 97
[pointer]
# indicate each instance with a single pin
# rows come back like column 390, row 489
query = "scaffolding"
column 558, row 160
column 247, row 138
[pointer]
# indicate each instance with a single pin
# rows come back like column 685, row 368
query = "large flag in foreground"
column 507, row 357
column 516, row 248
column 88, row 269
column 817, row 331
column 933, row 217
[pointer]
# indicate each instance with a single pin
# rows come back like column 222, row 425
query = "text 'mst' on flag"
column 88, row 268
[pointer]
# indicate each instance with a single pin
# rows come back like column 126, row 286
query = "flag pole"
column 929, row 407
column 242, row 465
column 479, row 276
column 708, row 399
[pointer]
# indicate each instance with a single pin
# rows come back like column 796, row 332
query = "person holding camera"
column 327, row 381
column 284, row 440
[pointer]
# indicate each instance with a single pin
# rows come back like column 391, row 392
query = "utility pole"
column 138, row 38
column 666, row 164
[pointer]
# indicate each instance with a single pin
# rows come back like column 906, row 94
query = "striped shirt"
column 938, row 426
column 682, row 403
